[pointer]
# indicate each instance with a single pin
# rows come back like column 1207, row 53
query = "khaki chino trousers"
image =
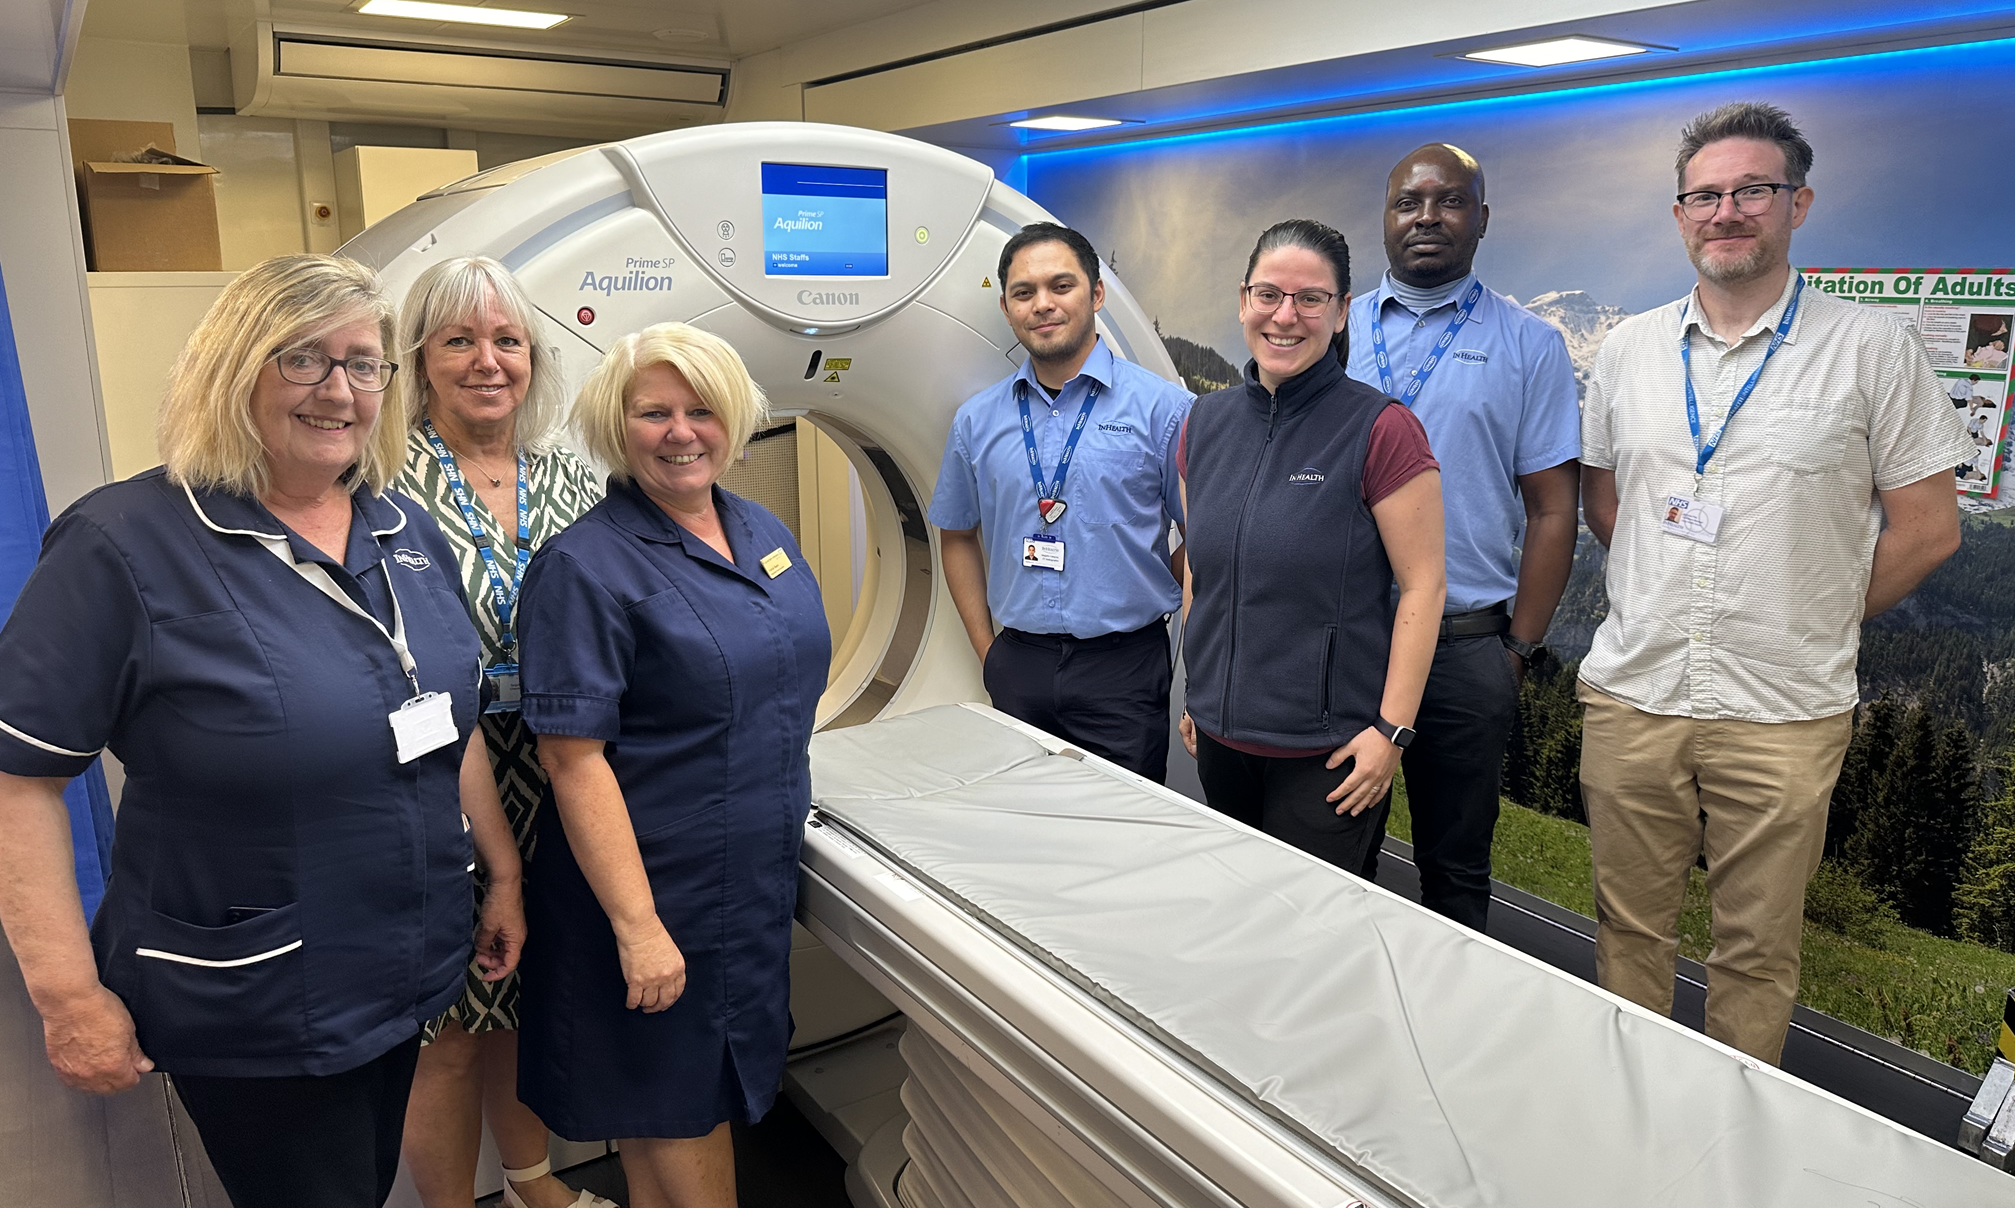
column 1752, row 797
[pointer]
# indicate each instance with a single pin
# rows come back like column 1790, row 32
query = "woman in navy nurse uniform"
column 673, row 647
column 279, row 652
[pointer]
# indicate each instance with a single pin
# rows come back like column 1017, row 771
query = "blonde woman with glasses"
column 277, row 648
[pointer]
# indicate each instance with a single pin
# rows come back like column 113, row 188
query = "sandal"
column 587, row 1199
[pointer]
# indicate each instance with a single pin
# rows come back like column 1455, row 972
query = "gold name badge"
column 776, row 562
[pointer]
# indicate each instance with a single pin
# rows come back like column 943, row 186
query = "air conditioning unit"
column 323, row 75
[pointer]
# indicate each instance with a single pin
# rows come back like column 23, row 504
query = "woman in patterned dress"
column 486, row 402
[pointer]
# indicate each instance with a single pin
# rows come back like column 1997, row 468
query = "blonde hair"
column 206, row 433
column 708, row 363
column 456, row 291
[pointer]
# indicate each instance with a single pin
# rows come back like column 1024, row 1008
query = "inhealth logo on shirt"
column 411, row 559
column 1307, row 476
column 1470, row 356
column 1121, row 429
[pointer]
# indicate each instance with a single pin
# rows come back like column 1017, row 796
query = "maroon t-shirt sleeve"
column 1398, row 452
column 1182, row 449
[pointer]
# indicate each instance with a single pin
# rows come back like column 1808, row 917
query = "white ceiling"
column 706, row 28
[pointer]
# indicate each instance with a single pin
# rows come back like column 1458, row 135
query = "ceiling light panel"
column 1555, row 51
column 1060, row 121
column 466, row 14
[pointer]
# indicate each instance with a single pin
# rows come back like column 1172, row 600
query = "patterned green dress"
column 561, row 487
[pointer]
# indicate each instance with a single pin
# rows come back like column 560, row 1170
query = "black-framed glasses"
column 1308, row 303
column 312, row 367
column 1750, row 200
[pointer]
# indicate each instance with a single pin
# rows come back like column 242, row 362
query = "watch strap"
column 1398, row 736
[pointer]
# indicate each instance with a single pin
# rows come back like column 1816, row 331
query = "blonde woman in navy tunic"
column 279, row 650
column 674, row 648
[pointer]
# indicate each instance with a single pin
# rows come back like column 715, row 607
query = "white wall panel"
column 42, row 256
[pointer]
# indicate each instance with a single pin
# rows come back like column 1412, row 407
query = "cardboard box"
column 143, row 217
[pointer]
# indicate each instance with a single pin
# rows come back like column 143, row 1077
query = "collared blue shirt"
column 1501, row 404
column 1121, row 493
column 286, row 897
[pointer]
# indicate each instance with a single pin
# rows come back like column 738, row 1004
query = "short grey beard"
column 1753, row 265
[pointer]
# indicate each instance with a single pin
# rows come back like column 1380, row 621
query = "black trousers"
column 1107, row 694
column 1454, row 772
column 327, row 1142
column 1285, row 799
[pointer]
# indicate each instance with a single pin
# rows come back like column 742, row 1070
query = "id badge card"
column 425, row 723
column 1042, row 552
column 1691, row 518
column 504, row 688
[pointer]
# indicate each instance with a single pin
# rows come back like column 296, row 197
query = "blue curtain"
column 24, row 513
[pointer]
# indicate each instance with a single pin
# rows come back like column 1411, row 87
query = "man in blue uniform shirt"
column 1055, row 498
column 1493, row 386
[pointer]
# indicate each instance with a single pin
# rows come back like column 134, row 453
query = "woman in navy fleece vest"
column 1308, row 494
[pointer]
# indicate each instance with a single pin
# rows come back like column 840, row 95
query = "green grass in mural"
column 1940, row 997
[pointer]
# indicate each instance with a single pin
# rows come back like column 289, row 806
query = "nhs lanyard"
column 1703, row 453
column 1421, row 372
column 1045, row 492
column 504, row 595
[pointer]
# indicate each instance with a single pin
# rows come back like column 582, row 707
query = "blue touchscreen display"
column 825, row 222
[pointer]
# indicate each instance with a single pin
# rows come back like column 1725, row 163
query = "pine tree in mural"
column 1912, row 832
column 1983, row 904
column 1867, row 757
column 1542, row 765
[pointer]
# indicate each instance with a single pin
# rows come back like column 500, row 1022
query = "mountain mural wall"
column 1921, row 841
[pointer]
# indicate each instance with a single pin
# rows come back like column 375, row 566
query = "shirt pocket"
column 1807, row 436
column 1118, row 487
column 218, row 993
column 211, row 669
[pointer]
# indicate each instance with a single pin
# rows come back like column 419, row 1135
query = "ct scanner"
column 1038, row 980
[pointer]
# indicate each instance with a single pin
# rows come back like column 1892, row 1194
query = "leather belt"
column 1483, row 621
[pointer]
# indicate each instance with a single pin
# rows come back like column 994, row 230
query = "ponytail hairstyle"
column 1326, row 242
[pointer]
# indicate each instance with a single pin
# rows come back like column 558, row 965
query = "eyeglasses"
column 1308, row 303
column 312, row 367
column 1750, row 200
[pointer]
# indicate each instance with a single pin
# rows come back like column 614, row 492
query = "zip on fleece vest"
column 1238, row 548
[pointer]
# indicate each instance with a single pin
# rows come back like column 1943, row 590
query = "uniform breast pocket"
column 223, row 992
column 212, row 670
column 1808, row 436
column 1113, row 486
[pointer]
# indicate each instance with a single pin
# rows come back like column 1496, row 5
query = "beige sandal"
column 587, row 1199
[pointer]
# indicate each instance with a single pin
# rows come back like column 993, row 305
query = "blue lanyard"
column 505, row 595
column 1046, row 491
column 1424, row 370
column 1702, row 453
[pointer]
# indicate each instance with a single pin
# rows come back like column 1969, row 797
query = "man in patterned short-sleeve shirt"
column 1720, row 689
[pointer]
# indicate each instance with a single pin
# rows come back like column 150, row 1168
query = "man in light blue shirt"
column 1493, row 386
column 1054, row 500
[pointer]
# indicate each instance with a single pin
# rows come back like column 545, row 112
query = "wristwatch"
column 1527, row 652
column 1398, row 736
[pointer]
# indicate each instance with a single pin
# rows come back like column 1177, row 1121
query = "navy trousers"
column 1107, row 694
column 306, row 1142
column 1454, row 771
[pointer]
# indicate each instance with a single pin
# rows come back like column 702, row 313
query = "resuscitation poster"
column 1964, row 316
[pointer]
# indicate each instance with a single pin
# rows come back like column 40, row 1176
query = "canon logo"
column 809, row 297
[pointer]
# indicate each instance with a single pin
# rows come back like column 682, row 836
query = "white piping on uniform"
column 400, row 528
column 179, row 959
column 213, row 526
column 52, row 748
